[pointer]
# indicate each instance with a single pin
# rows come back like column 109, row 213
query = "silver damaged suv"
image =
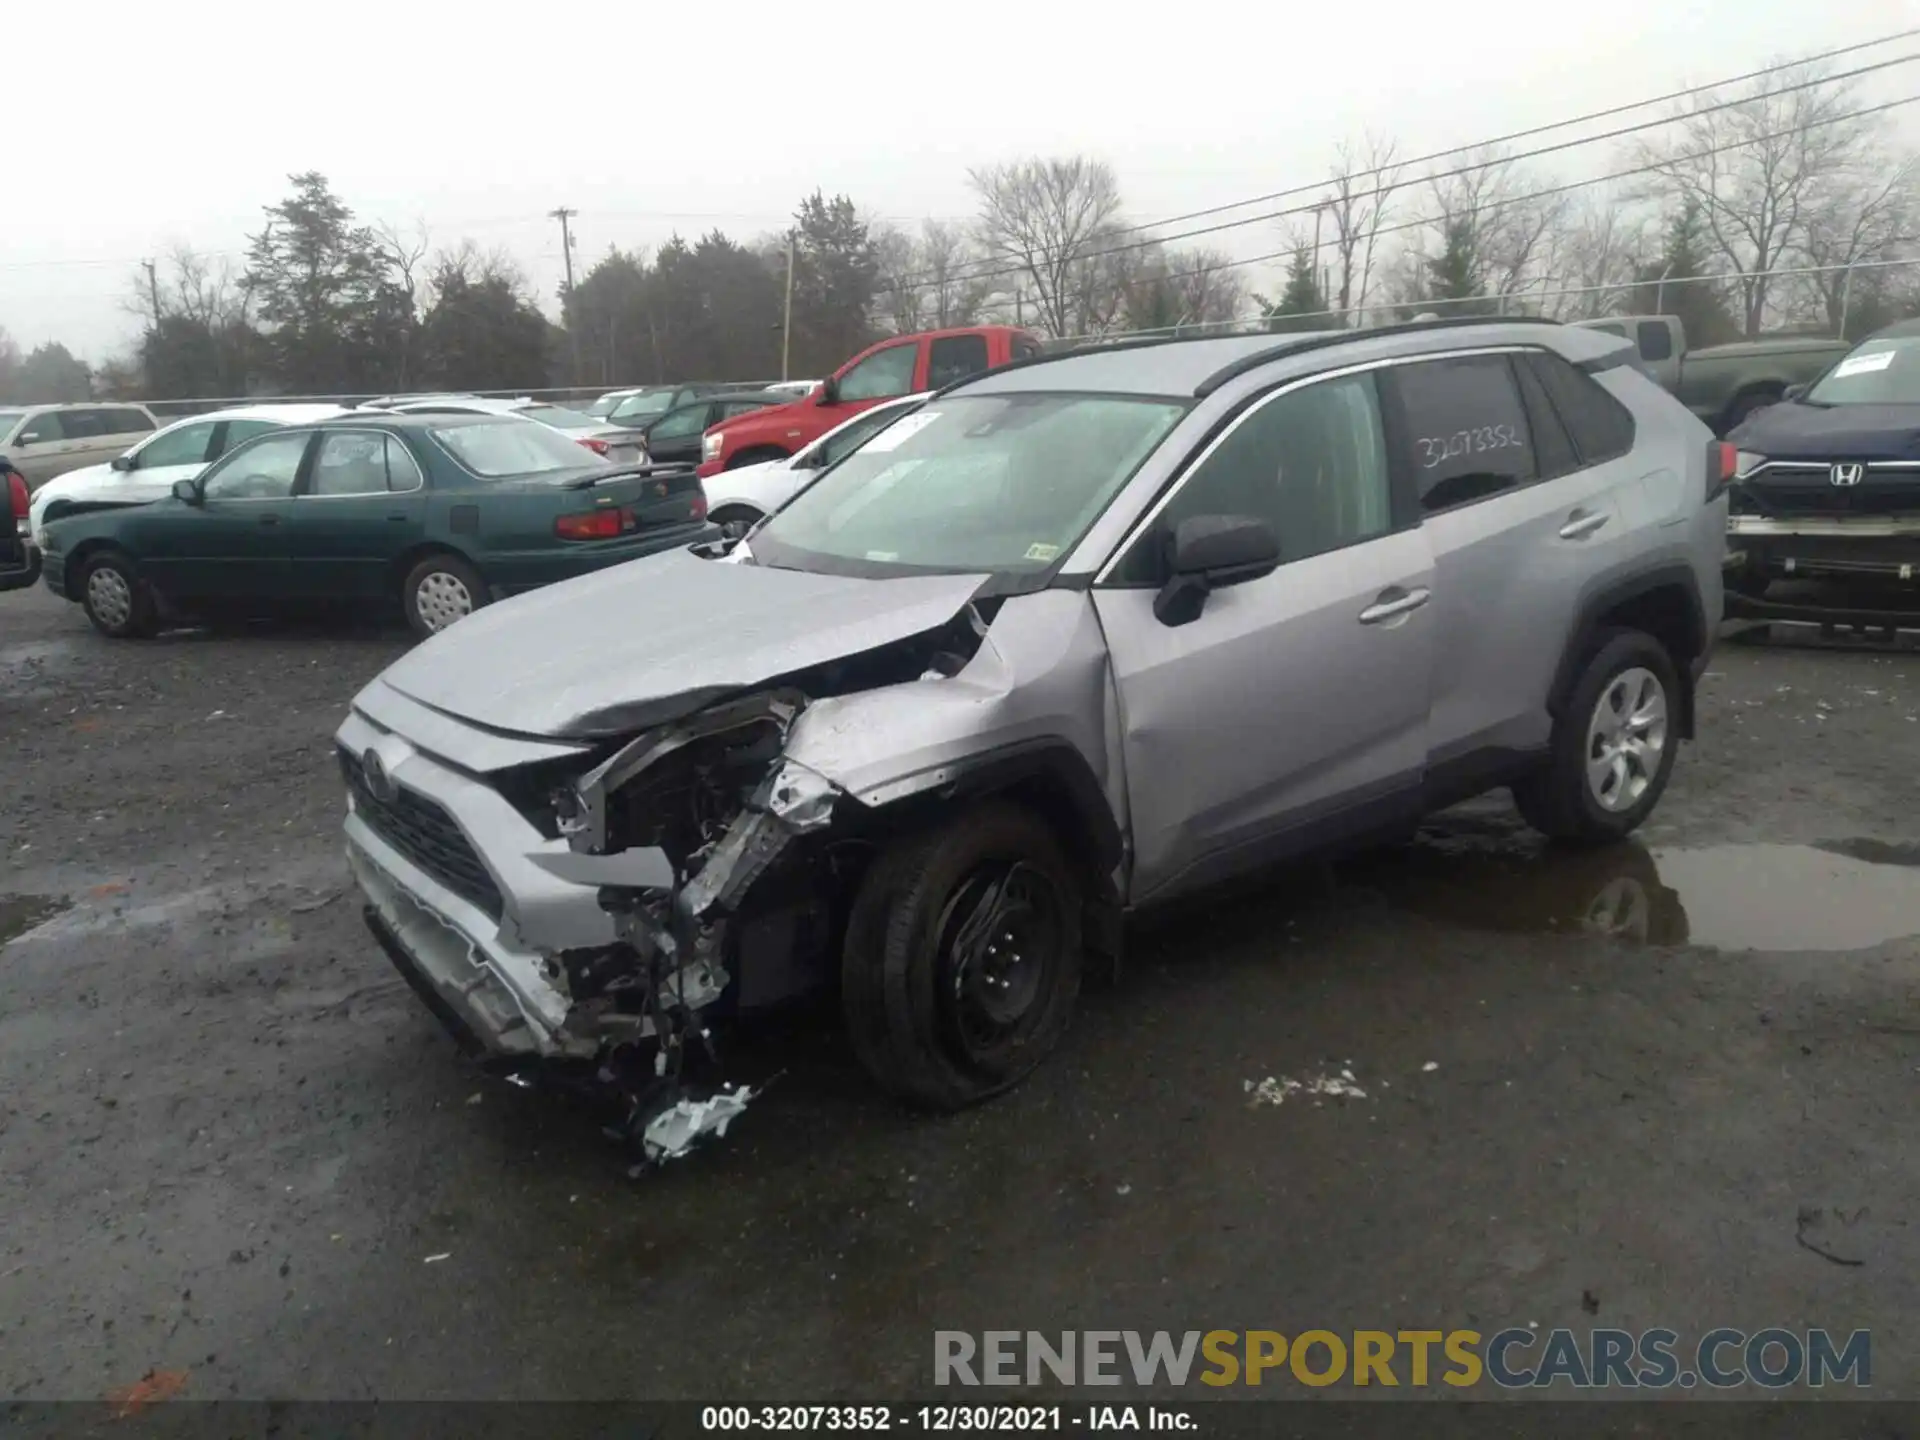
column 1082, row 634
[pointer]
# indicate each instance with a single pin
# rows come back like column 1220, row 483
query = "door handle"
column 1394, row 601
column 269, row 519
column 1582, row 523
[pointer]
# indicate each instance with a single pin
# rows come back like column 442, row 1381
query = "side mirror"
column 1208, row 553
column 28, row 437
column 829, row 391
column 187, row 491
column 1793, row 392
column 121, row 462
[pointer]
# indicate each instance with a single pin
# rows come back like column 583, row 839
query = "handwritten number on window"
column 1435, row 450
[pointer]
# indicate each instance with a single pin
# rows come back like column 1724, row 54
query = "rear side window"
column 84, row 424
column 1601, row 427
column 1656, row 341
column 741, row 407
column 1466, row 428
column 1553, row 450
column 126, row 422
column 954, row 357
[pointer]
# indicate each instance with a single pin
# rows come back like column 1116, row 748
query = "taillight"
column 1723, row 463
column 17, row 492
column 700, row 505
column 608, row 524
column 599, row 447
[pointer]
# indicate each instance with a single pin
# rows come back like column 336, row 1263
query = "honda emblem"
column 1847, row 475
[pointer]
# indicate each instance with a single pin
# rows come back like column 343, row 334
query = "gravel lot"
column 232, row 1137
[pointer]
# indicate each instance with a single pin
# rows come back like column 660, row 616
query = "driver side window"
column 264, row 470
column 883, row 375
column 185, row 446
column 1310, row 462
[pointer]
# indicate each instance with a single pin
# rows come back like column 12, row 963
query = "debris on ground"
column 153, row 1386
column 1274, row 1090
column 1819, row 1230
column 318, row 902
column 1430, row 1067
column 436, row 1259
column 671, row 1133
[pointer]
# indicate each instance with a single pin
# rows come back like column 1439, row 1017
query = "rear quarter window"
column 1602, row 428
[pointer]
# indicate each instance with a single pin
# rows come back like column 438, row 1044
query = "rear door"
column 1513, row 522
column 361, row 502
column 233, row 542
column 1293, row 711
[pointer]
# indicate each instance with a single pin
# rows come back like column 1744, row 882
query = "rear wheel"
column 1613, row 747
column 118, row 602
column 963, row 957
column 440, row 591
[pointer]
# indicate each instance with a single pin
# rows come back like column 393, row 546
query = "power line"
column 1046, row 256
column 1529, row 133
column 1553, row 190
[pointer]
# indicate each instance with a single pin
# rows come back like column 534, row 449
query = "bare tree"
column 899, row 292
column 1046, row 218
column 1869, row 215
column 1364, row 183
column 1496, row 207
column 949, row 276
column 1597, row 255
column 1766, row 172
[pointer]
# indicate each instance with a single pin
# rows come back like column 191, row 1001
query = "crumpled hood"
column 639, row 644
column 1792, row 431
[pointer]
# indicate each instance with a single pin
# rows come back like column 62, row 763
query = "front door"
column 360, row 505
column 232, row 541
column 1293, row 711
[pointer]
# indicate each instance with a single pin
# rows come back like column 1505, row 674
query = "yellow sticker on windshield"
column 1042, row 552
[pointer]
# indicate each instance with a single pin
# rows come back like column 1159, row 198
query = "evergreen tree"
column 1301, row 306
column 1701, row 307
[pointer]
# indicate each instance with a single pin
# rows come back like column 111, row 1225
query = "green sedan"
column 441, row 513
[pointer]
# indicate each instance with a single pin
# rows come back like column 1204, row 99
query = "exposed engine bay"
column 725, row 865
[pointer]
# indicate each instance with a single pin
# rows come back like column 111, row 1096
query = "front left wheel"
column 116, row 599
column 963, row 957
column 440, row 591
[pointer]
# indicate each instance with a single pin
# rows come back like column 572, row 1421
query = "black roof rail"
column 1325, row 341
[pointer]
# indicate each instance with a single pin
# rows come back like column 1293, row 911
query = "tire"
column 944, row 1031
column 440, row 590
column 758, row 455
column 1572, row 801
column 1749, row 581
column 118, row 602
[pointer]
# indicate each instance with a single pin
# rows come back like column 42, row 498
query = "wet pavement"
column 236, row 1147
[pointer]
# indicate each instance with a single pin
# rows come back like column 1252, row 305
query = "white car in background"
column 753, row 492
column 147, row 472
column 615, row 443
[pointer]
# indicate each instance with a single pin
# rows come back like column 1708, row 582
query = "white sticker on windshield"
column 1042, row 552
column 1864, row 364
column 900, row 431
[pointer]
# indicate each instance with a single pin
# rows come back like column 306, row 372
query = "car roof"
column 401, row 420
column 1199, row 366
column 1899, row 330
column 292, row 413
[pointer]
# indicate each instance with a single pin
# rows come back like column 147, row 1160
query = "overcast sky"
column 144, row 126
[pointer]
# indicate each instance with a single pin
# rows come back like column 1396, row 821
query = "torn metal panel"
column 1040, row 674
column 657, row 639
column 672, row 1132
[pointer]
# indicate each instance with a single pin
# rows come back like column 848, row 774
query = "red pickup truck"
column 902, row 365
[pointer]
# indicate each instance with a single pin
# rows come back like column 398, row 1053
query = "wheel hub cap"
column 110, row 596
column 998, row 934
column 1626, row 738
column 442, row 599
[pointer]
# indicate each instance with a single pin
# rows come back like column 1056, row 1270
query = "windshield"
column 8, row 419
column 640, row 407
column 559, row 417
column 999, row 483
column 602, row 407
column 1878, row 372
column 511, row 447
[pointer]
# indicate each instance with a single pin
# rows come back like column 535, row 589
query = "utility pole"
column 786, row 325
column 563, row 215
column 153, row 289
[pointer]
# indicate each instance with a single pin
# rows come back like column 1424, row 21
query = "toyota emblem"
column 1847, row 475
column 379, row 784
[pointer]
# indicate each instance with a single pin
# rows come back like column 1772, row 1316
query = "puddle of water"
column 1839, row 895
column 21, row 913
